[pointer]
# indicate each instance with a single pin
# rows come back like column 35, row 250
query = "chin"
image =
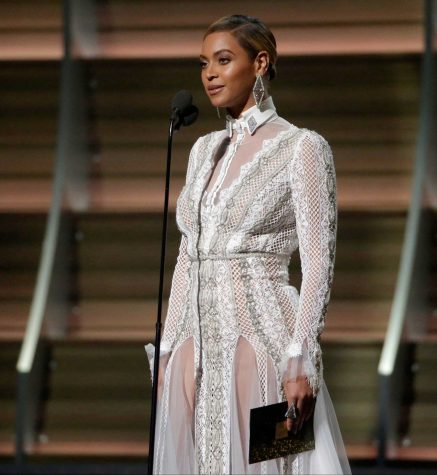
column 216, row 102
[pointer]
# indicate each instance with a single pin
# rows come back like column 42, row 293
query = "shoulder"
column 204, row 140
column 298, row 136
column 200, row 151
column 310, row 136
column 311, row 145
column 312, row 154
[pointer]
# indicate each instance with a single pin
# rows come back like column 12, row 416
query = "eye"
column 202, row 64
column 224, row 60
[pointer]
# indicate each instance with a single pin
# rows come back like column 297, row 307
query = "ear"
column 262, row 63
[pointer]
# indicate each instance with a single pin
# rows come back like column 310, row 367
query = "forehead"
column 221, row 40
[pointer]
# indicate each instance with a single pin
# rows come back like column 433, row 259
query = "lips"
column 215, row 89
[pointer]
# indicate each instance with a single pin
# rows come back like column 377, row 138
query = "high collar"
column 252, row 118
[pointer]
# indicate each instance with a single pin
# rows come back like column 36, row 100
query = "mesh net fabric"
column 178, row 298
column 315, row 205
column 248, row 203
column 235, row 153
column 312, row 176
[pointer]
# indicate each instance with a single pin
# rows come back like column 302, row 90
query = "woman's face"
column 228, row 74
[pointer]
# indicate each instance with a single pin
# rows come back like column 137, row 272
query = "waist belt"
column 239, row 255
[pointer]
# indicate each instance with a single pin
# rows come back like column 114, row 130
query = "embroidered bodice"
column 255, row 193
column 236, row 328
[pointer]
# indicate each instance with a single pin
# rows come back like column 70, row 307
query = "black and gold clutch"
column 269, row 438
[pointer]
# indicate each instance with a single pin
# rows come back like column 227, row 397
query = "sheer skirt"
column 249, row 202
column 175, row 447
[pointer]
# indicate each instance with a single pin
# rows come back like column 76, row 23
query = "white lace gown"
column 235, row 327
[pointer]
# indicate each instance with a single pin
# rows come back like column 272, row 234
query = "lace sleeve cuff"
column 296, row 362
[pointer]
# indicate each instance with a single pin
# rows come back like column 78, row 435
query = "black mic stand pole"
column 150, row 460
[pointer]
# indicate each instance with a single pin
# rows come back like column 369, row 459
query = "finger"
column 289, row 424
column 300, row 421
column 308, row 407
column 306, row 411
column 289, row 421
column 312, row 407
column 300, row 409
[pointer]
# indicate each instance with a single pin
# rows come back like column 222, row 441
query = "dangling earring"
column 218, row 113
column 258, row 90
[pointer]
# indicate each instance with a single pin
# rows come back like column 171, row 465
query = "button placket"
column 230, row 154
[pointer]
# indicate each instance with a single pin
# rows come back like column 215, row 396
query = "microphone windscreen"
column 191, row 115
column 182, row 101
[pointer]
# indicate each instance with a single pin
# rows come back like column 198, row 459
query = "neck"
column 252, row 118
column 236, row 112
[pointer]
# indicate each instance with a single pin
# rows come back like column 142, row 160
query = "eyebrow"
column 217, row 53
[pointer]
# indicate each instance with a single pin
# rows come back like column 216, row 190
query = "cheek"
column 203, row 77
column 241, row 78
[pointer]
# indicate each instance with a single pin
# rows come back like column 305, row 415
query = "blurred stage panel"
column 349, row 70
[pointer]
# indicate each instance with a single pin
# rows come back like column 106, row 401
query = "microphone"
column 183, row 111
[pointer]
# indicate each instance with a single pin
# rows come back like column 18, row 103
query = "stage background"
column 85, row 89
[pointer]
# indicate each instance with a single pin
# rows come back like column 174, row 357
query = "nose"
column 210, row 72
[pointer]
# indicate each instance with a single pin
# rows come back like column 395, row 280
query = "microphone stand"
column 184, row 112
column 173, row 120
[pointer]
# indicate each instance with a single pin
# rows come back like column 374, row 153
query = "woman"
column 237, row 334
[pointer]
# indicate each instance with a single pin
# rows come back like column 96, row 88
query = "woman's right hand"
column 299, row 393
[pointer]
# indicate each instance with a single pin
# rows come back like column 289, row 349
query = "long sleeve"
column 176, row 304
column 178, row 295
column 314, row 200
column 179, row 291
